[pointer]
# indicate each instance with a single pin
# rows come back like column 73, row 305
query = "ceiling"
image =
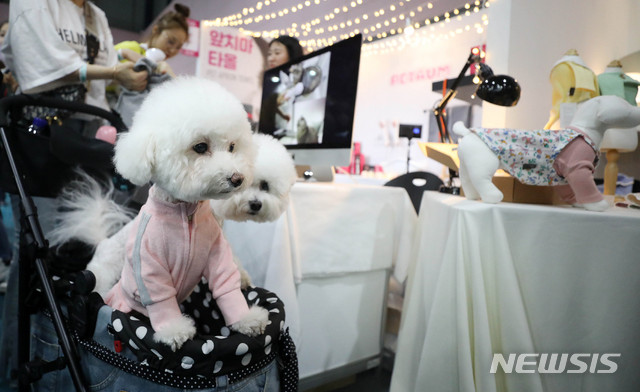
column 322, row 22
column 129, row 15
column 315, row 22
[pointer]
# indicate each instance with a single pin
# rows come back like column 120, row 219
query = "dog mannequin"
column 572, row 163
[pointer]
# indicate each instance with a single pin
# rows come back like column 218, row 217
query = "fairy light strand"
column 422, row 37
column 376, row 26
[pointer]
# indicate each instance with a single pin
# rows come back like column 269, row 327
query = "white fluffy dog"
column 109, row 225
column 191, row 139
column 268, row 196
column 564, row 157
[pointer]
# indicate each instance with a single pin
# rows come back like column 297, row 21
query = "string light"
column 400, row 42
column 381, row 24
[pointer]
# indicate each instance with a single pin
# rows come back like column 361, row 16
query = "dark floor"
column 3, row 386
column 373, row 380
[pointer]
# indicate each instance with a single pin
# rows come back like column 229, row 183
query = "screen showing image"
column 300, row 93
column 308, row 104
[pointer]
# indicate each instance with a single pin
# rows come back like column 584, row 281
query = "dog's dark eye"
column 201, row 148
column 264, row 186
column 232, row 147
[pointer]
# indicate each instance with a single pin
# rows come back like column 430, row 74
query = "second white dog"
column 268, row 195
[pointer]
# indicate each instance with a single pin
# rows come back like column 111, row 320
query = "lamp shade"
column 500, row 90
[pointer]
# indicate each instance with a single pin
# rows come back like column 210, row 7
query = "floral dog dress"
column 528, row 155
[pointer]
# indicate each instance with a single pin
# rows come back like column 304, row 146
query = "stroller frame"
column 32, row 252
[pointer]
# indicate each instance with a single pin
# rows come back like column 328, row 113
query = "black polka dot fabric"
column 168, row 378
column 216, row 350
column 288, row 368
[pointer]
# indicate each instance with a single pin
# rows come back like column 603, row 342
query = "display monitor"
column 308, row 104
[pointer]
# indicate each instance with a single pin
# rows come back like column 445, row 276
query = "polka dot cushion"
column 216, row 350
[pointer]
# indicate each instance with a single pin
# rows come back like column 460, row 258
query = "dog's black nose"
column 255, row 205
column 236, row 179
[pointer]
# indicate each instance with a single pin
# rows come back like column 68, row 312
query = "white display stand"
column 329, row 258
column 519, row 279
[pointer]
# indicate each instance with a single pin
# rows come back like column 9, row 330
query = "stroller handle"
column 22, row 100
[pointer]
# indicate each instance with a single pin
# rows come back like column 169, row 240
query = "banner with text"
column 234, row 60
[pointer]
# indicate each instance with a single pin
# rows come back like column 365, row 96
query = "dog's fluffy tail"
column 87, row 212
column 460, row 130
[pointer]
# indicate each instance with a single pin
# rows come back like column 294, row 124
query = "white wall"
column 525, row 38
column 396, row 87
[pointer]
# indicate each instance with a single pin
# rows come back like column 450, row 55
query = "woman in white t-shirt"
column 46, row 47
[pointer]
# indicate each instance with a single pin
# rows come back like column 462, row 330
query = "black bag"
column 74, row 93
column 46, row 163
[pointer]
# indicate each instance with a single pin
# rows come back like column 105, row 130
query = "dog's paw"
column 253, row 323
column 492, row 197
column 597, row 206
column 245, row 279
column 176, row 333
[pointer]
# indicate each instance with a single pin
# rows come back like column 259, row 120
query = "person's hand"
column 165, row 68
column 130, row 55
column 130, row 79
column 282, row 98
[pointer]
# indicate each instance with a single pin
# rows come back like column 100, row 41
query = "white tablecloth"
column 330, row 230
column 514, row 278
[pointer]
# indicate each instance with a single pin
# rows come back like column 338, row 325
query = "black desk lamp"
column 500, row 90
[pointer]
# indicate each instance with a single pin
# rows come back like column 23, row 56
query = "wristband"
column 83, row 73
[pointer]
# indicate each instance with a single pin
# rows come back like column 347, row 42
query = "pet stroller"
column 102, row 348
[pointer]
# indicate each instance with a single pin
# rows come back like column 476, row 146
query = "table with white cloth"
column 329, row 258
column 520, row 279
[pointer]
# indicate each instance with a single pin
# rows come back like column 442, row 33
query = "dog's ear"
column 134, row 158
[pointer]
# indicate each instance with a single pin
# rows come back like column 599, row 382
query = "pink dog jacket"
column 171, row 247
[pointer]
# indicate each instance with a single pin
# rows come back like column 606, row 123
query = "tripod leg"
column 31, row 225
column 28, row 260
column 24, row 322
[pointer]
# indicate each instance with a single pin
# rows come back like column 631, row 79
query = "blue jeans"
column 8, row 341
column 101, row 376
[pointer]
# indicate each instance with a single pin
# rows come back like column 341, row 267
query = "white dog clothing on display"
column 529, row 155
column 171, row 247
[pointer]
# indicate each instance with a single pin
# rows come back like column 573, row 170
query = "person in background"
column 53, row 45
column 50, row 45
column 6, row 89
column 9, row 84
column 168, row 34
column 281, row 50
column 4, row 27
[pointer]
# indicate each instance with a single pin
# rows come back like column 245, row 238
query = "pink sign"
column 233, row 59
column 191, row 47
